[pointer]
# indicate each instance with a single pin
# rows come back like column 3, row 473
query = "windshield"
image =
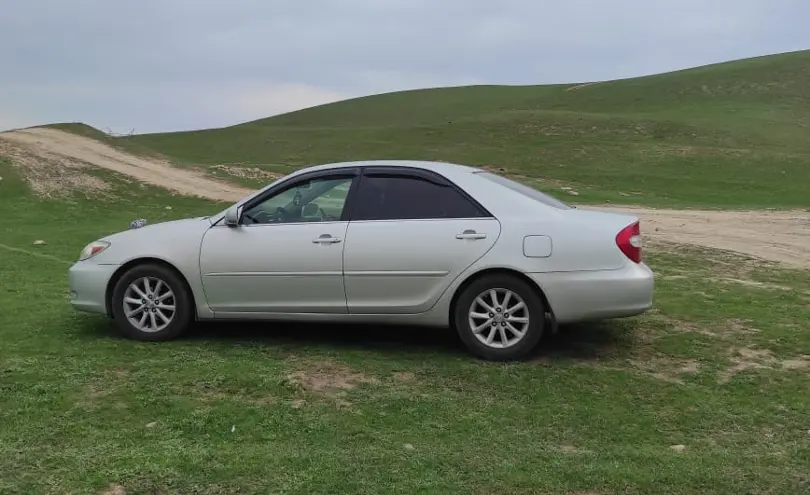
column 525, row 190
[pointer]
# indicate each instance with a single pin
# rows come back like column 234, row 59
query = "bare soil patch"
column 666, row 369
column 730, row 329
column 114, row 489
column 42, row 147
column 754, row 283
column 50, row 175
column 328, row 378
column 744, row 359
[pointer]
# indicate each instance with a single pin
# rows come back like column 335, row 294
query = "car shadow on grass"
column 584, row 341
column 382, row 338
column 590, row 340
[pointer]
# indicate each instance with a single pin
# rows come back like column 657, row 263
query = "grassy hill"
column 731, row 134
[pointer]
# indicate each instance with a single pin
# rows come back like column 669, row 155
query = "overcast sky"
column 156, row 65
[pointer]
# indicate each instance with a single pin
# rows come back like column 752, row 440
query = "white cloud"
column 249, row 103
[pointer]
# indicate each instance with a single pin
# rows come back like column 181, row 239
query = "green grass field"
column 708, row 393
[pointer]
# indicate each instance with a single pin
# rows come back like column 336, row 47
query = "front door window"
column 315, row 200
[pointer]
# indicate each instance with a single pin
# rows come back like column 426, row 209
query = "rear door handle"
column 326, row 239
column 471, row 234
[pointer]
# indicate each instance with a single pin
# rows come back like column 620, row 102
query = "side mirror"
column 232, row 216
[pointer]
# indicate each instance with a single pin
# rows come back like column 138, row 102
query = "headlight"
column 93, row 249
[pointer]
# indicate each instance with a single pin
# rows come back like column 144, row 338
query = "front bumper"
column 88, row 282
column 596, row 295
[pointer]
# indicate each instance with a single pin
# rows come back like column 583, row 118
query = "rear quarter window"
column 525, row 190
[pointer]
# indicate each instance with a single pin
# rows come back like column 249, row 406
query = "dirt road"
column 776, row 236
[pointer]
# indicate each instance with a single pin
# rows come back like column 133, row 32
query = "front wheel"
column 150, row 302
column 499, row 317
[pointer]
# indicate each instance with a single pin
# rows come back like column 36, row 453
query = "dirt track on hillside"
column 56, row 147
column 776, row 236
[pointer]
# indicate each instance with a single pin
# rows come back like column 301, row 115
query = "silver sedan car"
column 384, row 242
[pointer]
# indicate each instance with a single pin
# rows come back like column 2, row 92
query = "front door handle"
column 326, row 239
column 471, row 234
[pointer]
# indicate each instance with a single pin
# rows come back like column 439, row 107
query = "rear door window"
column 408, row 198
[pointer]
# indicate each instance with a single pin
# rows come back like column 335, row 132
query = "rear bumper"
column 596, row 295
column 87, row 282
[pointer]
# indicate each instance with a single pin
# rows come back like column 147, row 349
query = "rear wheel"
column 499, row 317
column 151, row 302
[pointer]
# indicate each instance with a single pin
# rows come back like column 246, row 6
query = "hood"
column 169, row 229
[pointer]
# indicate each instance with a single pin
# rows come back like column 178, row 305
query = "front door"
column 409, row 238
column 286, row 256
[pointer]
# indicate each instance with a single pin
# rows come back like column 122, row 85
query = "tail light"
column 630, row 242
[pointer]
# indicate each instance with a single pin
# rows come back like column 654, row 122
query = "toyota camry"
column 383, row 242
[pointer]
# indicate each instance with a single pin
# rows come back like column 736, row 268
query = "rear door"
column 412, row 232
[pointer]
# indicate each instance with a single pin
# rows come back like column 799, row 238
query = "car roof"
column 500, row 200
column 440, row 167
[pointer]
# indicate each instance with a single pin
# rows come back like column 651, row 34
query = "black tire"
column 535, row 309
column 183, row 314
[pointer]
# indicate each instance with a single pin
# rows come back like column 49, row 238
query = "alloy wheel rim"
column 149, row 304
column 499, row 318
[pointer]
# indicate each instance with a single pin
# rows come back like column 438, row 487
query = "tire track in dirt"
column 780, row 236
